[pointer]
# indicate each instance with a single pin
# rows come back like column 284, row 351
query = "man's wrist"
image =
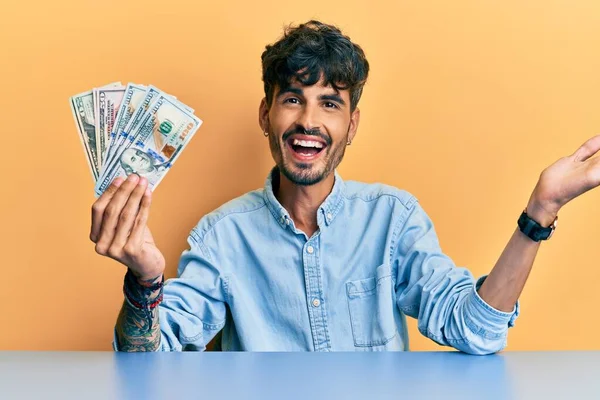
column 146, row 280
column 143, row 291
column 541, row 212
column 149, row 282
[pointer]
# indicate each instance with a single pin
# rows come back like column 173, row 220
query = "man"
column 311, row 262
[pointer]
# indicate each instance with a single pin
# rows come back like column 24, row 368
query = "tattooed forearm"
column 134, row 332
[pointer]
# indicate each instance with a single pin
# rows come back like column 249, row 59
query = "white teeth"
column 308, row 143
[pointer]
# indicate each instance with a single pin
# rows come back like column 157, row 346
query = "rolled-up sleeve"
column 193, row 308
column 442, row 296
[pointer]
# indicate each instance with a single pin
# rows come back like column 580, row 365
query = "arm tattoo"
column 137, row 332
column 138, row 329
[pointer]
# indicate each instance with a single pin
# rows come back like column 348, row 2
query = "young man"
column 311, row 262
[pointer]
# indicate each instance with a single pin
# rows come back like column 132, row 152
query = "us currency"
column 159, row 138
column 121, row 140
column 95, row 93
column 109, row 100
column 134, row 94
column 82, row 105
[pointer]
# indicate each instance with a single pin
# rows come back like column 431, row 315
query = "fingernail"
column 133, row 177
column 117, row 182
column 142, row 181
column 148, row 191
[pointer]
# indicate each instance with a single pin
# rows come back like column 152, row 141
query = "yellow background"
column 467, row 102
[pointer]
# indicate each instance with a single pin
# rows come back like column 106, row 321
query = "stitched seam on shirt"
column 380, row 342
column 490, row 309
column 205, row 326
column 409, row 308
column 452, row 342
column 441, row 339
column 339, row 203
column 310, row 310
column 479, row 331
column 213, row 327
column 270, row 208
column 191, row 338
column 320, row 283
column 202, row 246
column 225, row 283
column 370, row 290
column 406, row 203
column 209, row 229
column 402, row 220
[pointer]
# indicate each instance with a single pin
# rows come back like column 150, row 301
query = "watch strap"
column 533, row 229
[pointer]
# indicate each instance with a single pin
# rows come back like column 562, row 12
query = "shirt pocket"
column 371, row 304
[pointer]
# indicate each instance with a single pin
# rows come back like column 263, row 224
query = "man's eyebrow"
column 332, row 97
column 290, row 89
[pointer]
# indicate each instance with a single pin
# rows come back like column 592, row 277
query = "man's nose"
column 309, row 118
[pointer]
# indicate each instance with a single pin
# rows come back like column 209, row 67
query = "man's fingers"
column 128, row 217
column 111, row 214
column 99, row 206
column 136, row 237
column 588, row 149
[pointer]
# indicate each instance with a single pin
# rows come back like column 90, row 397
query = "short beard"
column 306, row 177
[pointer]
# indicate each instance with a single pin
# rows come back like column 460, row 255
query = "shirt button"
column 329, row 216
column 316, row 302
column 287, row 221
column 310, row 249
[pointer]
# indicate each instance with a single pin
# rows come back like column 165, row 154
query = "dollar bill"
column 121, row 143
column 108, row 102
column 163, row 132
column 134, row 94
column 82, row 106
column 95, row 94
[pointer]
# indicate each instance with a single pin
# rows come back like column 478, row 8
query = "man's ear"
column 354, row 120
column 263, row 115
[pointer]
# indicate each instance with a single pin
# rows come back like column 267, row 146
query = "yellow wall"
column 467, row 102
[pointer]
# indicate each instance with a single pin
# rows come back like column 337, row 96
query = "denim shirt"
column 374, row 259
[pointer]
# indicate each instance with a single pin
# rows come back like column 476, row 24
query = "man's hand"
column 564, row 180
column 560, row 183
column 119, row 227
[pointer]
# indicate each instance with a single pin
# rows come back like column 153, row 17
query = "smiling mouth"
column 306, row 148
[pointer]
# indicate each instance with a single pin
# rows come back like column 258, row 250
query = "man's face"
column 137, row 160
column 308, row 128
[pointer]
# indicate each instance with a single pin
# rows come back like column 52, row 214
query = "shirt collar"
column 327, row 210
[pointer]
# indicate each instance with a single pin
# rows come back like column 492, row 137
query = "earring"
column 349, row 142
column 266, row 133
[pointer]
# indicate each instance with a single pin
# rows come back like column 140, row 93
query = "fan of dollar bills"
column 133, row 129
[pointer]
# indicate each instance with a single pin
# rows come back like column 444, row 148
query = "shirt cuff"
column 485, row 317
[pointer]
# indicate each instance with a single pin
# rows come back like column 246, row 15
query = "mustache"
column 302, row 131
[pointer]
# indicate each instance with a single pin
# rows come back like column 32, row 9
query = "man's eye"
column 329, row 104
column 292, row 100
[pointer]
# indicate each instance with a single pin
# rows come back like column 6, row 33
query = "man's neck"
column 302, row 202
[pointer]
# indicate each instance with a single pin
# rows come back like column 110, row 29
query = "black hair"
column 313, row 51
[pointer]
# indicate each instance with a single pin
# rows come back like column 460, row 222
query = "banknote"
column 131, row 128
column 82, row 106
column 134, row 94
column 158, row 139
column 150, row 95
column 108, row 102
column 140, row 105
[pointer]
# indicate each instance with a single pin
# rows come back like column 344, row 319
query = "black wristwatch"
column 533, row 229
